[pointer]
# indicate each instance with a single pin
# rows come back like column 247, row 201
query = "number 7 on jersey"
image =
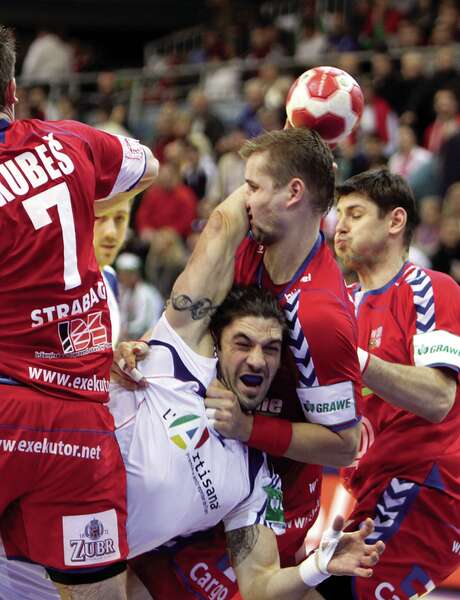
column 37, row 209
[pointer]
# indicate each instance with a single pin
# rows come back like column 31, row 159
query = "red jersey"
column 413, row 320
column 53, row 309
column 319, row 382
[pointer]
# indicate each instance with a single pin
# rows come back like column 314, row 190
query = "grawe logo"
column 82, row 333
column 183, row 430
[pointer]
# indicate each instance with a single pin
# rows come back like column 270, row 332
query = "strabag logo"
column 82, row 333
column 90, row 539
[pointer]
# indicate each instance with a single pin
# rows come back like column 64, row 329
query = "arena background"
column 131, row 66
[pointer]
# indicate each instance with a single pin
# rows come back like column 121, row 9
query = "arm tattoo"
column 241, row 542
column 199, row 309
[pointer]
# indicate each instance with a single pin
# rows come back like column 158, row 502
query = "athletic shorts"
column 421, row 530
column 63, row 486
column 195, row 567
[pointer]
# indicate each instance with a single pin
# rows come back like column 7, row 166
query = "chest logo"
column 376, row 338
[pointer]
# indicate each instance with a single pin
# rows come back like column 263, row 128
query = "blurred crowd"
column 411, row 120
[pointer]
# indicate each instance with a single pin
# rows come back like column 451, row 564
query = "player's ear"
column 296, row 188
column 398, row 220
column 10, row 93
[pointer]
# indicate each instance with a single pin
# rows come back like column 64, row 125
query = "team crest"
column 376, row 338
column 94, row 530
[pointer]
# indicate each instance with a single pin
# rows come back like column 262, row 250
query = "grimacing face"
column 249, row 357
column 265, row 203
column 109, row 233
column 361, row 235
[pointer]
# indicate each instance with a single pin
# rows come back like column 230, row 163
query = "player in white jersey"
column 181, row 475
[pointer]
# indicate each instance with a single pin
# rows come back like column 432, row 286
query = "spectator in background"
column 230, row 169
column 276, row 87
column 311, row 44
column 409, row 157
column 386, row 80
column 413, row 89
column 447, row 258
column 426, row 236
column 451, row 206
column 203, row 119
column 222, row 80
column 381, row 24
column 339, row 37
column 445, row 74
column 349, row 62
column 409, row 35
column 48, row 58
column 378, row 118
column 264, row 42
column 141, row 304
column 248, row 121
column 112, row 119
column 447, row 120
column 186, row 158
column 166, row 203
column 164, row 130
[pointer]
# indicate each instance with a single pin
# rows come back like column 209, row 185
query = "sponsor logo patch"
column 90, row 539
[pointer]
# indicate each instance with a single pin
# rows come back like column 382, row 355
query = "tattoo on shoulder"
column 199, row 309
column 241, row 542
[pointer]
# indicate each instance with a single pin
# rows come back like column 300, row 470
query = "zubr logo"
column 184, row 429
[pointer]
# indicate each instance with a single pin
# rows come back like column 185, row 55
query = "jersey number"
column 37, row 208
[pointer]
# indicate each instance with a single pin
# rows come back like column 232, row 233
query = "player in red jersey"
column 407, row 477
column 62, row 499
column 312, row 412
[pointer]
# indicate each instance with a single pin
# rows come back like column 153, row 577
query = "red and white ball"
column 327, row 100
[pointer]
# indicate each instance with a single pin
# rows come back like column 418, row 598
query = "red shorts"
column 421, row 529
column 63, row 484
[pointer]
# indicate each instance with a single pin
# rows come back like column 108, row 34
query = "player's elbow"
column 349, row 446
column 151, row 170
column 440, row 410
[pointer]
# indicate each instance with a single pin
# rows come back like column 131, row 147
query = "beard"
column 265, row 238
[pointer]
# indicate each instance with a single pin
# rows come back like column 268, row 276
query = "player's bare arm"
column 425, row 391
column 208, row 275
column 254, row 556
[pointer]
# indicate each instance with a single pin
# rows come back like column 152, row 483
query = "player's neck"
column 7, row 114
column 381, row 272
column 283, row 258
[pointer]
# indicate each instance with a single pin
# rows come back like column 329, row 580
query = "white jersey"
column 182, row 476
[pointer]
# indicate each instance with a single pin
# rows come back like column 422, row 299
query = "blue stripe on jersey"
column 392, row 507
column 422, row 289
column 112, row 281
column 298, row 344
column 255, row 463
column 5, row 380
column 180, row 370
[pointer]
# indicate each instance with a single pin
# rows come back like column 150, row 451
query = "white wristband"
column 363, row 358
column 310, row 573
column 313, row 570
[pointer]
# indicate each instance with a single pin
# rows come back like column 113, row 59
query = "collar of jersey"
column 300, row 270
column 387, row 285
column 4, row 124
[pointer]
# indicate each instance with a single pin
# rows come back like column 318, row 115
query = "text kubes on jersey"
column 81, row 333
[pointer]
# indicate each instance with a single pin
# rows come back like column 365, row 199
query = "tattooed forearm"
column 199, row 309
column 241, row 542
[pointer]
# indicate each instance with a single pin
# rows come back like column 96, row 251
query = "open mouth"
column 252, row 380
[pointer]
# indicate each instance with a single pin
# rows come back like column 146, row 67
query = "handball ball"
column 327, row 100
